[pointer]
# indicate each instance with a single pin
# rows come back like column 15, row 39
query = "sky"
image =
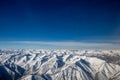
column 69, row 23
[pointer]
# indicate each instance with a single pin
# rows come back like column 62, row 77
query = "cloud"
column 61, row 44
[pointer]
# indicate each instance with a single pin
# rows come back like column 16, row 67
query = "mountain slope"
column 40, row 64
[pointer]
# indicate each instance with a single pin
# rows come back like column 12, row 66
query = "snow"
column 39, row 64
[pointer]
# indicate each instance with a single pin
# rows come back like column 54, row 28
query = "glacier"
column 43, row 64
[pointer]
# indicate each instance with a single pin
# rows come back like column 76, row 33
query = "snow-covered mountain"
column 38, row 64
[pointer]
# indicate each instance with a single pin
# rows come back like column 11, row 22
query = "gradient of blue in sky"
column 60, row 20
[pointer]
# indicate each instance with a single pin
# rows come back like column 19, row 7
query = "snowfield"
column 38, row 64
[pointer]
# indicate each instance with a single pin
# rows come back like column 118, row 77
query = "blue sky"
column 78, row 21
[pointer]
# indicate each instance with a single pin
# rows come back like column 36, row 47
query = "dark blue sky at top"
column 59, row 20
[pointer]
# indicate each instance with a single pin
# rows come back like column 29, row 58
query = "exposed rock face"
column 59, row 64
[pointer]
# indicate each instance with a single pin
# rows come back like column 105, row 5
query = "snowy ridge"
column 38, row 64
